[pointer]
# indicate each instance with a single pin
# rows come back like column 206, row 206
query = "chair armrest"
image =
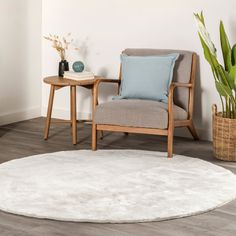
column 104, row 80
column 175, row 85
column 172, row 88
column 171, row 96
column 96, row 85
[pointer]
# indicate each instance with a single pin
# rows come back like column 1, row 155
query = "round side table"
column 57, row 83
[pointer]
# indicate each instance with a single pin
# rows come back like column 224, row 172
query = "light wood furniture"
column 172, row 123
column 57, row 83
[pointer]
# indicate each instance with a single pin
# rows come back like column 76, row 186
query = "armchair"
column 151, row 117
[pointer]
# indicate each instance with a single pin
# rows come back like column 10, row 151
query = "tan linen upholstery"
column 136, row 113
column 151, row 117
column 182, row 71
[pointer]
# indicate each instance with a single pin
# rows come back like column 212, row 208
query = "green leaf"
column 225, row 46
column 230, row 78
column 232, row 75
column 224, row 77
column 233, row 54
column 223, row 90
column 207, row 53
column 202, row 18
column 212, row 60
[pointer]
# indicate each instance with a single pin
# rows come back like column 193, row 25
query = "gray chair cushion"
column 136, row 113
column 182, row 71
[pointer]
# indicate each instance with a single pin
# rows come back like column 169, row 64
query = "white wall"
column 103, row 28
column 20, row 60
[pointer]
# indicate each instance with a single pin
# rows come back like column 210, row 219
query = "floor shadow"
column 3, row 132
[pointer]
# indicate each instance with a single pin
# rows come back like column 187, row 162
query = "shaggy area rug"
column 116, row 186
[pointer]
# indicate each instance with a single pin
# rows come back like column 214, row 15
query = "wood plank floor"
column 26, row 138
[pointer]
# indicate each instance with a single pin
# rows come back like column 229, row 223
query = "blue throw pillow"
column 147, row 77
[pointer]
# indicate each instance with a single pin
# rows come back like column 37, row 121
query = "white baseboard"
column 20, row 115
column 204, row 134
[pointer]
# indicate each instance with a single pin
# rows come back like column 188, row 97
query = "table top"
column 60, row 81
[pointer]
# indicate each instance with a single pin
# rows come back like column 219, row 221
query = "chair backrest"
column 182, row 71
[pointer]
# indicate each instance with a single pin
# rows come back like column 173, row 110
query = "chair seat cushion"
column 136, row 113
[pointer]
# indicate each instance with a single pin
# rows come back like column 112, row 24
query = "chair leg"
column 193, row 131
column 170, row 143
column 94, row 137
column 71, row 102
column 73, row 115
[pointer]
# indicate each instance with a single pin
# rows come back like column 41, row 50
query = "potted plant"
column 61, row 45
column 224, row 122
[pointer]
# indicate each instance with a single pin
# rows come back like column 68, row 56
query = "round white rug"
column 115, row 186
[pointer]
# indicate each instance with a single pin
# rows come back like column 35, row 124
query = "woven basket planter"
column 224, row 136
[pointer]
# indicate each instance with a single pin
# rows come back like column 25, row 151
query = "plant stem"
column 222, row 104
column 227, row 107
column 233, row 109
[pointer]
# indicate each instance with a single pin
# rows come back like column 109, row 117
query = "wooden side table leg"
column 71, row 106
column 49, row 112
column 94, row 126
column 94, row 104
column 73, row 114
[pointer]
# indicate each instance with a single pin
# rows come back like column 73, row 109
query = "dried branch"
column 60, row 44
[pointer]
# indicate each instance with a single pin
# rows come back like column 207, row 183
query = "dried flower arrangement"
column 60, row 44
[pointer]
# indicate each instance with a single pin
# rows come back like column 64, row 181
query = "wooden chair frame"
column 169, row 132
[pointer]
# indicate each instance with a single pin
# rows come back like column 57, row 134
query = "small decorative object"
column 224, row 123
column 63, row 66
column 78, row 66
column 61, row 45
